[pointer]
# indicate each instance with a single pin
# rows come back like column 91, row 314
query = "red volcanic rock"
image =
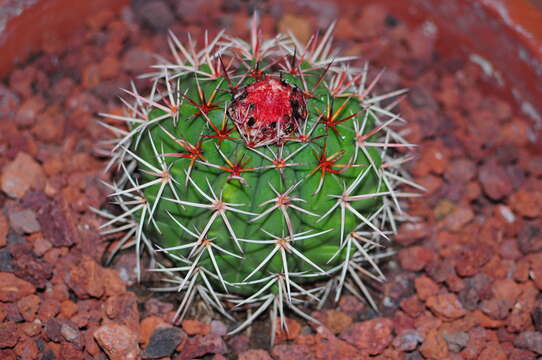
column 434, row 346
column 446, row 306
column 12, row 288
column 372, row 336
column 21, row 175
column 118, row 341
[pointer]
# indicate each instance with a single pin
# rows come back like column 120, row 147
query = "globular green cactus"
column 258, row 169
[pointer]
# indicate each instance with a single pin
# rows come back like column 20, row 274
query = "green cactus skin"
column 253, row 221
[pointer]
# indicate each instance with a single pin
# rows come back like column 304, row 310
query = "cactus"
column 259, row 174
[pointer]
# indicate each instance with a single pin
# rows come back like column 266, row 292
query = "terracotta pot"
column 504, row 36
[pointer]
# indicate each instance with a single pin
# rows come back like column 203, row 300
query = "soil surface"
column 467, row 278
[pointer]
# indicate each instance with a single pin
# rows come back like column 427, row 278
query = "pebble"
column 196, row 327
column 415, row 258
column 291, row 352
column 492, row 352
column 12, row 288
column 9, row 102
column 456, row 341
column 147, row 327
column 495, row 181
column 446, row 306
column 372, row 335
column 425, row 287
column 163, row 342
column 27, row 349
column 123, row 309
column 530, row 340
column 24, row 221
column 86, row 279
column 200, row 345
column 458, row 218
column 335, row 321
column 407, row 340
column 28, row 307
column 292, row 330
column 118, row 341
column 526, row 203
column 530, row 238
column 255, row 355
column 137, row 60
column 156, row 14
column 8, row 335
column 28, row 111
column 21, row 175
column 434, row 346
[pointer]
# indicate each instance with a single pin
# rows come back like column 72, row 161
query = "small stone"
column 255, row 355
column 21, row 175
column 28, row 111
column 199, row 345
column 239, row 343
column 41, row 246
column 425, row 287
column 28, row 307
column 12, row 288
column 460, row 170
column 410, row 233
column 415, row 258
column 434, row 346
column 412, row 306
column 218, row 328
column 51, row 126
column 27, row 349
column 163, row 342
column 31, row 329
column 156, row 14
column 351, row 305
column 195, row 327
column 334, row 320
column 123, row 309
column 459, row 217
column 52, row 330
column 118, row 342
column 137, row 60
column 456, row 341
column 495, row 181
column 325, row 345
column 292, row 330
column 69, row 333
column 407, row 340
column 446, row 306
column 86, row 279
column 530, row 340
column 24, row 221
column 530, row 238
column 493, row 352
column 147, row 328
column 113, row 282
column 9, row 102
column 372, row 335
column 291, row 352
column 527, row 203
column 8, row 335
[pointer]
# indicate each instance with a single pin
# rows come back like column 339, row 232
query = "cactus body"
column 259, row 168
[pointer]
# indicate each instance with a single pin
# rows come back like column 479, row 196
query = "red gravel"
column 466, row 282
